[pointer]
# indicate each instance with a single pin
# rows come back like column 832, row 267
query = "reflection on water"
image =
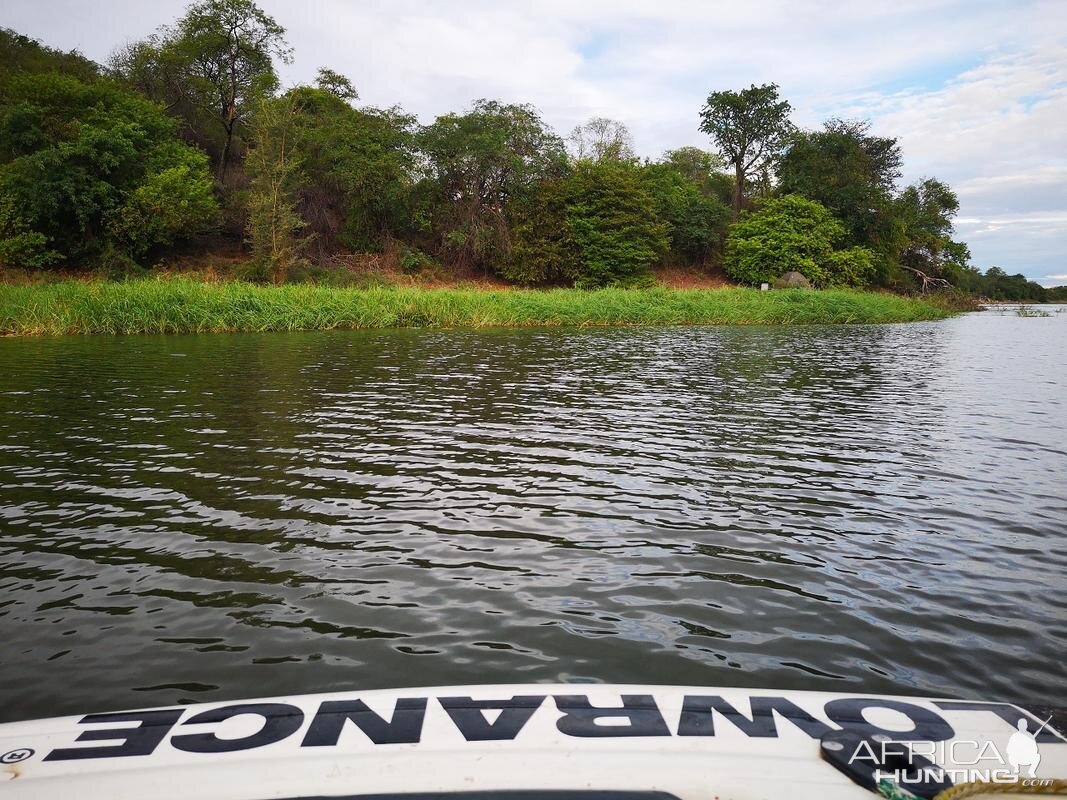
column 860, row 509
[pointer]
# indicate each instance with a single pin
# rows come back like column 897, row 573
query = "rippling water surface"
column 847, row 508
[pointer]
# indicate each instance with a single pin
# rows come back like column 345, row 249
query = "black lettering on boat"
column 927, row 726
column 405, row 726
column 467, row 715
column 698, row 711
column 279, row 720
column 640, row 712
column 140, row 740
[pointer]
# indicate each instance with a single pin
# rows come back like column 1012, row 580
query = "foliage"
column 327, row 174
column 210, row 68
column 696, row 221
column 853, row 266
column 996, row 284
column 20, row 53
column 703, row 168
column 184, row 306
column 751, row 127
column 358, row 168
column 337, row 84
column 86, row 165
column 1056, row 294
column 274, row 172
column 599, row 226
column 793, row 233
column 21, row 247
column 477, row 164
column 854, row 175
column 167, row 205
column 850, row 172
column 545, row 252
column 414, row 261
column 602, row 139
column 923, row 227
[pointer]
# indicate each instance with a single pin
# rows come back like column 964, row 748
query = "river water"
column 864, row 509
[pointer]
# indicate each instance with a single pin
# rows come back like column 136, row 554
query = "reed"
column 154, row 306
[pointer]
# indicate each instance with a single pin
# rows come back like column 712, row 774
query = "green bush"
column 173, row 203
column 599, row 226
column 19, row 246
column 545, row 251
column 793, row 233
column 695, row 220
column 116, row 264
column 854, row 266
column 93, row 166
column 413, row 261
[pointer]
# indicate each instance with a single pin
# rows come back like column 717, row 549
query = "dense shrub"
column 20, row 246
column 599, row 226
column 166, row 205
column 92, row 166
column 854, row 266
column 545, row 251
column 792, row 233
column 696, row 221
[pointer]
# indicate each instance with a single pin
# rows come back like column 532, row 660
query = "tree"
column 696, row 220
column 477, row 163
column 336, row 83
column 20, row 53
column 996, row 284
column 850, row 172
column 274, row 173
column 88, row 169
column 1056, row 294
column 211, row 68
column 602, row 139
column 922, row 216
column 596, row 227
column 750, row 127
column 357, row 169
column 703, row 168
column 793, row 233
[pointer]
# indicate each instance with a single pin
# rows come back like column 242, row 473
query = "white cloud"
column 995, row 133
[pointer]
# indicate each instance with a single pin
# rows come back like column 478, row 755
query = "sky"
column 975, row 91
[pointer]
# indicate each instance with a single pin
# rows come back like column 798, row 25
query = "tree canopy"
column 849, row 171
column 94, row 170
column 750, row 127
column 477, row 163
column 210, row 67
column 792, row 233
column 110, row 166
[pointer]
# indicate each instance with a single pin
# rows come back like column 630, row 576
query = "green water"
column 871, row 508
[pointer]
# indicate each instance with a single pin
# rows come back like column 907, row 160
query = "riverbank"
column 186, row 306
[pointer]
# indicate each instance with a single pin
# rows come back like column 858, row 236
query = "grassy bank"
column 184, row 306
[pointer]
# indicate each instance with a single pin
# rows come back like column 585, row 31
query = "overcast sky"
column 975, row 91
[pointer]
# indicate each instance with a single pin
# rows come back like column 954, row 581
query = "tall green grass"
column 186, row 306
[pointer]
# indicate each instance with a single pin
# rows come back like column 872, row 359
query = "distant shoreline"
column 175, row 306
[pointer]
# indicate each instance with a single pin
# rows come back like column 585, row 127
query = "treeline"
column 187, row 134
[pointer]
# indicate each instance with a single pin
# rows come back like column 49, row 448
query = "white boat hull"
column 694, row 743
